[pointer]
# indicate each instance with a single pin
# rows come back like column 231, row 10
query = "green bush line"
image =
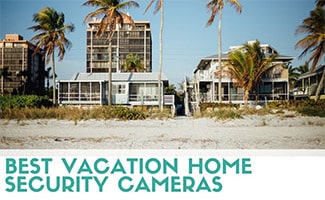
column 38, row 107
column 23, row 101
column 230, row 111
column 71, row 113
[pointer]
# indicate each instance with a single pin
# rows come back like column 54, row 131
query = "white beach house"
column 127, row 89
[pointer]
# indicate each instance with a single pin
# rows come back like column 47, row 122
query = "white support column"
column 68, row 91
column 145, row 49
column 100, row 92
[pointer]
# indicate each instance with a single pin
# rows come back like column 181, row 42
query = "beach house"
column 127, row 89
column 308, row 82
column 273, row 85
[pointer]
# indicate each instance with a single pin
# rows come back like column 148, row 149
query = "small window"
column 8, row 45
column 118, row 89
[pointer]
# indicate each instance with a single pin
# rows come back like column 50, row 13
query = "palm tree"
column 133, row 64
column 320, row 2
column 110, row 11
column 314, row 42
column 52, row 29
column 247, row 65
column 216, row 6
column 293, row 76
column 159, row 7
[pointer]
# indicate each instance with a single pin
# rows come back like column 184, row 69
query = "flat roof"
column 119, row 77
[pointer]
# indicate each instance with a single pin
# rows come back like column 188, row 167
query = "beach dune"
column 251, row 132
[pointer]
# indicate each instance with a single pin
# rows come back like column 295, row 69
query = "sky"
column 186, row 39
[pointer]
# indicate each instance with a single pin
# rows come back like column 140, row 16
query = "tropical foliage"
column 293, row 76
column 52, row 30
column 216, row 6
column 247, row 65
column 314, row 42
column 111, row 16
column 133, row 64
column 23, row 101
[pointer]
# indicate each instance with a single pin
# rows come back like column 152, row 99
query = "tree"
column 52, row 30
column 111, row 16
column 247, row 65
column 133, row 64
column 216, row 6
column 293, row 74
column 303, row 68
column 314, row 42
column 159, row 7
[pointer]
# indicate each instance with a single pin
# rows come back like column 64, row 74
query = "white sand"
column 251, row 132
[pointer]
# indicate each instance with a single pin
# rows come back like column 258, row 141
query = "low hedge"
column 24, row 101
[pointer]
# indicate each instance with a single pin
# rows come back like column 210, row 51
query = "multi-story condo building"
column 274, row 84
column 22, row 70
column 126, row 40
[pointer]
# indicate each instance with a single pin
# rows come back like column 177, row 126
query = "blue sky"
column 185, row 40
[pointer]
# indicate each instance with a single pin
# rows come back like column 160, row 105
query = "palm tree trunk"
column 2, row 86
column 54, row 81
column 160, row 56
column 219, row 55
column 109, row 92
column 246, row 96
column 320, row 86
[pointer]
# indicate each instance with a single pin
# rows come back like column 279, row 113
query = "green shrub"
column 312, row 108
column 223, row 114
column 72, row 113
column 213, row 105
column 23, row 101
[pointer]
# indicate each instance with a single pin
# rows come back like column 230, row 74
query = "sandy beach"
column 250, row 132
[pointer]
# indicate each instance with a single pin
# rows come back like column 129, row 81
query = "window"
column 118, row 89
column 8, row 45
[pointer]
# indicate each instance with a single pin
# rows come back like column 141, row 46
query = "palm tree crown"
column 247, row 65
column 133, row 64
column 110, row 11
column 52, row 30
column 217, row 5
column 51, row 25
column 159, row 4
column 314, row 42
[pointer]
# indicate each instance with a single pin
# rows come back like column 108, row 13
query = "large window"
column 144, row 91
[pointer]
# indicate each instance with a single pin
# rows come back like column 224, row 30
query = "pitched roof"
column 318, row 70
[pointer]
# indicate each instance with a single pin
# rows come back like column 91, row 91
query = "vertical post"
column 272, row 90
column 68, row 91
column 91, row 50
column 219, row 54
column 101, row 92
column 213, row 88
column 118, row 49
column 145, row 49
column 161, row 107
column 2, row 68
column 109, row 95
